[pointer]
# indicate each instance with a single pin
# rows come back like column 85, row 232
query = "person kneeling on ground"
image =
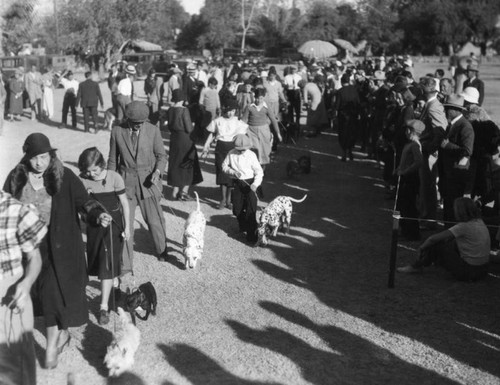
column 462, row 249
column 242, row 163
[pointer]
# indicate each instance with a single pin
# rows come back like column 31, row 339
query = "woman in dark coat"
column 41, row 179
column 183, row 165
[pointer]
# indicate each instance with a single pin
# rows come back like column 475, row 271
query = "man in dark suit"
column 136, row 152
column 89, row 94
column 454, row 156
column 474, row 81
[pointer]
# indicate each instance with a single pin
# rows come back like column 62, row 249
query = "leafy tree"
column 223, row 18
column 19, row 26
column 189, row 38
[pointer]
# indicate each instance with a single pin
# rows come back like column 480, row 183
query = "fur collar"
column 52, row 178
column 476, row 113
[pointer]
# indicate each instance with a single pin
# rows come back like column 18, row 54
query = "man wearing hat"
column 191, row 90
column 174, row 82
column 125, row 91
column 474, row 81
column 434, row 118
column 454, row 155
column 137, row 154
column 292, row 84
column 71, row 86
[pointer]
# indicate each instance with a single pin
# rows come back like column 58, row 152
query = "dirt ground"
column 311, row 308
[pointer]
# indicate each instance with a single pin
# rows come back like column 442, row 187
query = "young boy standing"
column 242, row 164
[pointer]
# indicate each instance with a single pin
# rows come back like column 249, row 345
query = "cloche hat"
column 36, row 144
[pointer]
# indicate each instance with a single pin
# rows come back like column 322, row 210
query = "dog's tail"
column 297, row 200
column 197, row 201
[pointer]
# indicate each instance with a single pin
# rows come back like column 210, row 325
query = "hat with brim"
column 470, row 95
column 454, row 101
column 176, row 70
column 130, row 69
column 416, row 125
column 379, row 75
column 137, row 111
column 177, row 95
column 242, row 142
column 473, row 67
column 191, row 68
column 36, row 144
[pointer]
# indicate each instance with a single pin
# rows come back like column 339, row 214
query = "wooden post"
column 394, row 248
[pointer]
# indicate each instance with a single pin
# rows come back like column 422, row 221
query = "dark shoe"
column 164, row 257
column 221, row 205
column 51, row 359
column 344, row 159
column 60, row 348
column 103, row 317
column 185, row 197
column 229, row 206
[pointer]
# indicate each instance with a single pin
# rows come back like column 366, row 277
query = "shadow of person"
column 352, row 359
column 199, row 369
column 126, row 378
column 94, row 346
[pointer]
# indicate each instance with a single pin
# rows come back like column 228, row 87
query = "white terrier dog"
column 194, row 231
column 120, row 355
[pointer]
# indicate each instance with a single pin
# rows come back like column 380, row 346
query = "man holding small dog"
column 137, row 154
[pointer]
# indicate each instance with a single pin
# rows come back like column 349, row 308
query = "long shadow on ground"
column 353, row 361
column 342, row 256
column 194, row 365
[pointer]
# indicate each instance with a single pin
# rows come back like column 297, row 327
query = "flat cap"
column 137, row 111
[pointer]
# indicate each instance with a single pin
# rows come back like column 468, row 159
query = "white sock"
column 104, row 307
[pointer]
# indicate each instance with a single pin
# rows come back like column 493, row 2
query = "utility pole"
column 57, row 26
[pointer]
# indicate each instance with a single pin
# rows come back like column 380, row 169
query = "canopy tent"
column 139, row 46
column 318, row 49
column 344, row 44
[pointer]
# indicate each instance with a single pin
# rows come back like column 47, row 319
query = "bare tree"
column 246, row 22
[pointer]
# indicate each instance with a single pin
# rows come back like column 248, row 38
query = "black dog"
column 300, row 166
column 143, row 297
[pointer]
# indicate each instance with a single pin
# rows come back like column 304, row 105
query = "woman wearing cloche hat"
column 41, row 179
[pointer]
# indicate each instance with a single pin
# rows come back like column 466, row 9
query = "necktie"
column 134, row 139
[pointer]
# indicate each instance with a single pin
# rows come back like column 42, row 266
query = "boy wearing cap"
column 137, row 153
column 409, row 179
column 242, row 164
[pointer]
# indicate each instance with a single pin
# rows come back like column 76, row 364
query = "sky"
column 192, row 6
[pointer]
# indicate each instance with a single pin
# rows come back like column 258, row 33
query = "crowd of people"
column 432, row 137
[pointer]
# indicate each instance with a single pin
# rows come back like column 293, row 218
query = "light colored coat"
column 136, row 168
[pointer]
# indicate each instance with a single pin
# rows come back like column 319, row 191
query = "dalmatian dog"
column 277, row 215
column 194, row 231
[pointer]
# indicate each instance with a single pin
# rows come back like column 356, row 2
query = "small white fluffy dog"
column 194, row 231
column 120, row 355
